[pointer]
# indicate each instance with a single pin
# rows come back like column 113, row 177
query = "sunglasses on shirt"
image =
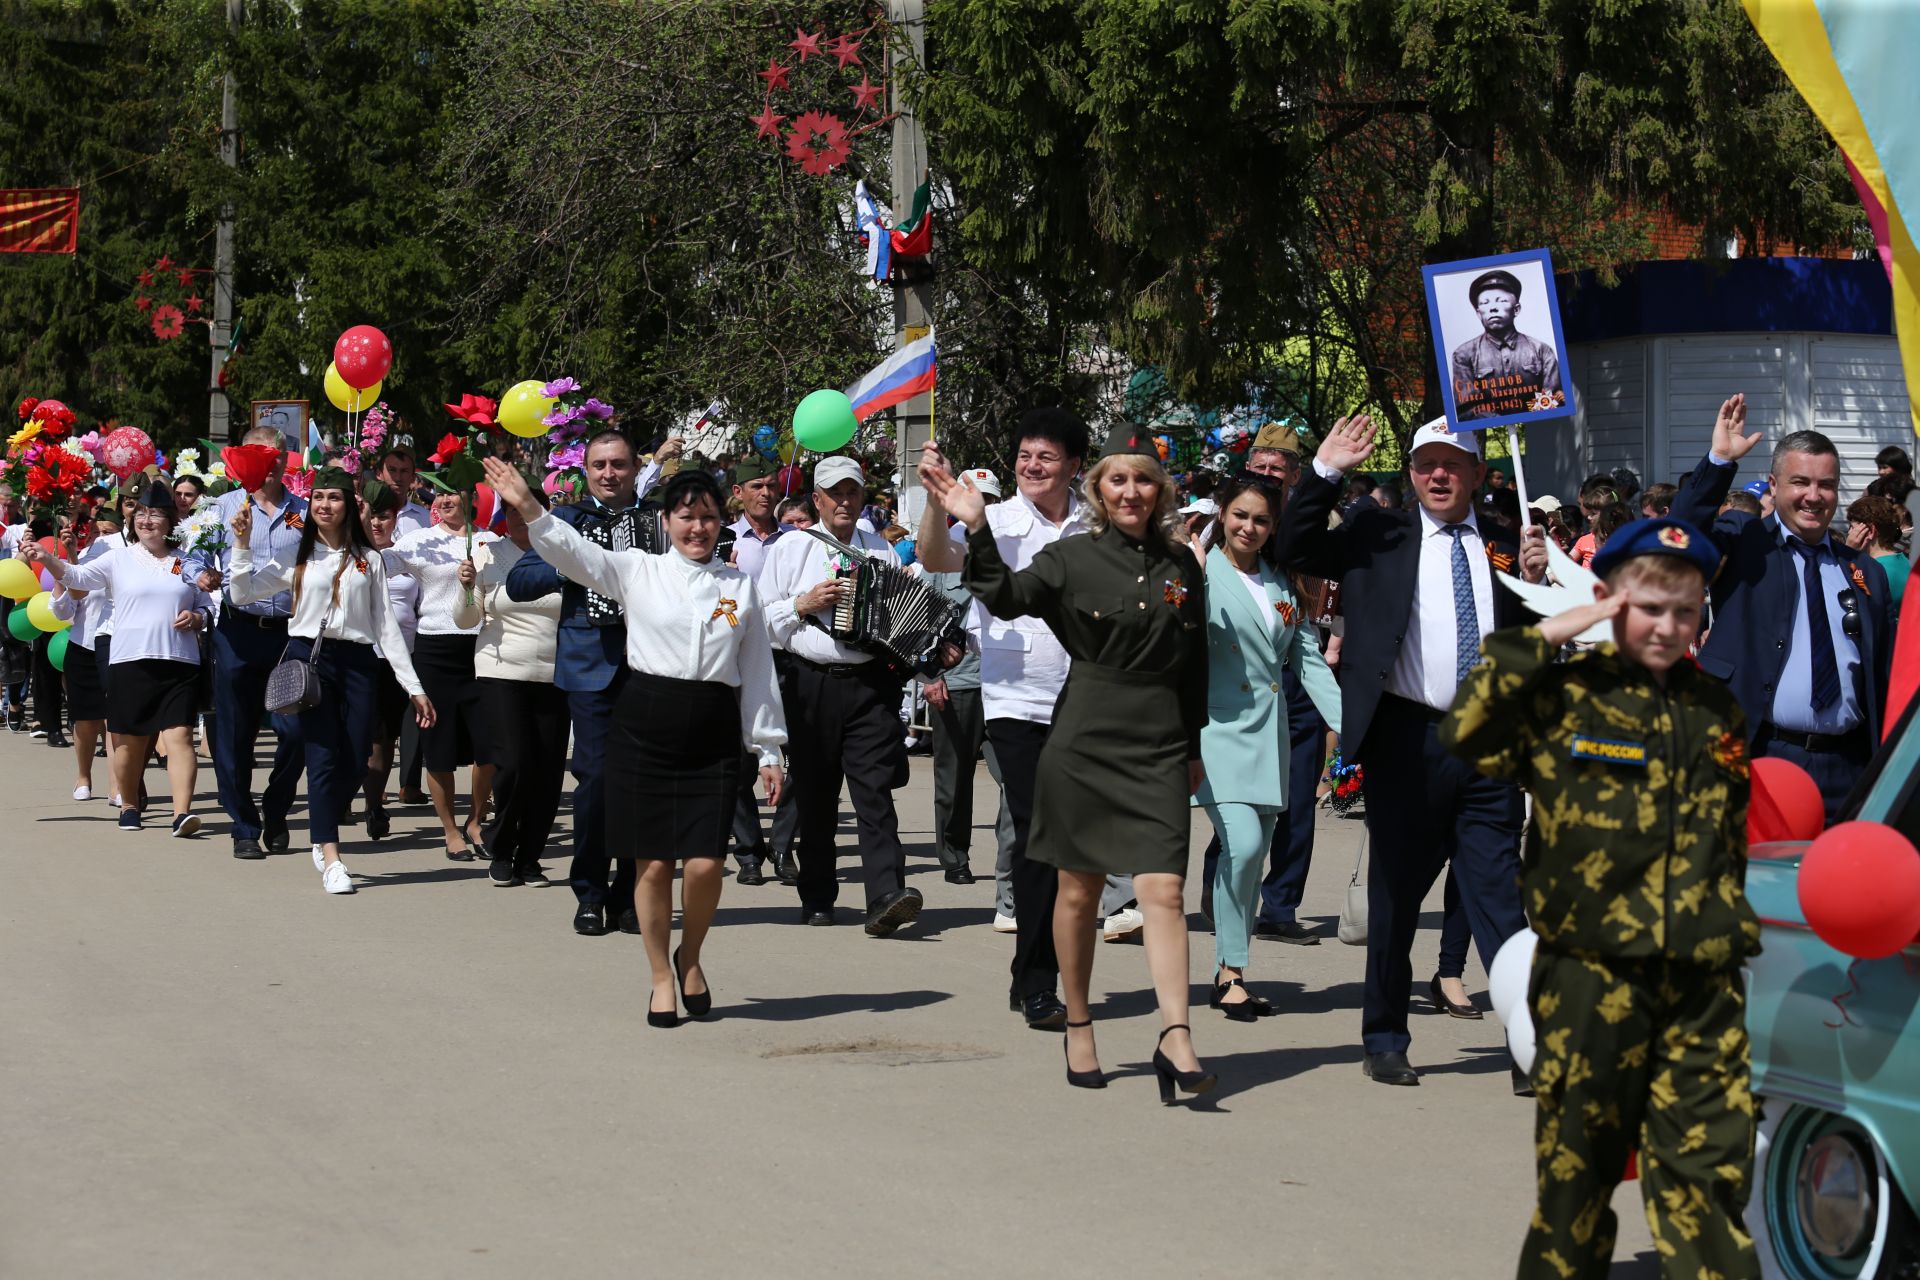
column 1850, row 613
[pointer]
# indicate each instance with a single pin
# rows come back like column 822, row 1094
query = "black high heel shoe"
column 697, row 1006
column 1094, row 1079
column 1252, row 1009
column 1195, row 1082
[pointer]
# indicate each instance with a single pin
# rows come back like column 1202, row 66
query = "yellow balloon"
column 522, row 408
column 18, row 580
column 786, row 447
column 350, row 399
column 40, row 613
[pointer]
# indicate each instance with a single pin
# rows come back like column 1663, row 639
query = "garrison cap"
column 1127, row 440
column 752, row 467
column 1659, row 536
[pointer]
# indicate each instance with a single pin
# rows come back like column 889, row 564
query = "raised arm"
column 1702, row 492
column 936, row 548
column 1305, row 542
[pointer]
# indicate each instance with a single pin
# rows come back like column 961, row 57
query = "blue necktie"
column 1826, row 670
column 1466, row 619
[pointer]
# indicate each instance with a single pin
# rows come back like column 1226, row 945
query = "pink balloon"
column 362, row 355
column 126, row 450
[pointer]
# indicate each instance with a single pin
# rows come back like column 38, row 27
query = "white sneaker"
column 1124, row 925
column 319, row 860
column 83, row 793
column 335, row 878
column 1004, row 924
column 116, row 801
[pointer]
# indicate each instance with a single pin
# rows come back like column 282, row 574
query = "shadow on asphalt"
column 1241, row 1072
column 1644, row 1266
column 440, row 875
column 1287, row 997
column 829, row 1005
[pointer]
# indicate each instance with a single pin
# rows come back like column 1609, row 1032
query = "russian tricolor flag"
column 902, row 376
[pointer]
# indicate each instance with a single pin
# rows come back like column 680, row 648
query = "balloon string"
column 1840, row 1001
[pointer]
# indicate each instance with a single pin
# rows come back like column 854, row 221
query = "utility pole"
column 912, row 312
column 220, row 335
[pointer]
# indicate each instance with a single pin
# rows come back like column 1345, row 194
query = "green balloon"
column 20, row 626
column 57, row 650
column 824, row 421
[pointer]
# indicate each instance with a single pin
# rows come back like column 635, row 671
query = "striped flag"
column 40, row 221
column 899, row 378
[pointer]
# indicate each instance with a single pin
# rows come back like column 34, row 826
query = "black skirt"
column 672, row 768
column 390, row 705
column 444, row 664
column 86, row 695
column 151, row 694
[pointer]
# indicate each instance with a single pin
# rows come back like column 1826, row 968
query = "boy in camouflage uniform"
column 1632, row 877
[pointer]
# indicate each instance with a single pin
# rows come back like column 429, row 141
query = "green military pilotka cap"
column 1128, row 440
column 331, row 478
column 751, row 468
column 380, row 497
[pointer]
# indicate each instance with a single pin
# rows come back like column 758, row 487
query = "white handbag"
column 1353, row 913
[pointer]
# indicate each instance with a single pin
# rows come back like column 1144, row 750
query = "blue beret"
column 1660, row 536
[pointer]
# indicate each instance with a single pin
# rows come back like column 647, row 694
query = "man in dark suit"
column 1419, row 594
column 590, row 658
column 1802, row 623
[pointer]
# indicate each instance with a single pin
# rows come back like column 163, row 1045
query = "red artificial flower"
column 27, row 407
column 58, row 475
column 449, row 447
column 476, row 410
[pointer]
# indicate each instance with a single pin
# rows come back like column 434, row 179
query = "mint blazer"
column 1244, row 744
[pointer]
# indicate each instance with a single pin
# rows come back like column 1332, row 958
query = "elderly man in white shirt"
column 756, row 487
column 1022, row 670
column 842, row 709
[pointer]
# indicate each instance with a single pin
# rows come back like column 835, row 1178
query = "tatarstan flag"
column 45, row 220
column 914, row 237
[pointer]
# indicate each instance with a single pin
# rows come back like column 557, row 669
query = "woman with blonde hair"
column 1128, row 603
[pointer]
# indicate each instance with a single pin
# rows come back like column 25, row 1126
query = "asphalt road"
column 212, row 1068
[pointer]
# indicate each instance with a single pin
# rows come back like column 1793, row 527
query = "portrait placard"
column 288, row 417
column 1497, row 338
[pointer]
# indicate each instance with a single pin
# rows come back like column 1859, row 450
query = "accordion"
column 641, row 527
column 893, row 615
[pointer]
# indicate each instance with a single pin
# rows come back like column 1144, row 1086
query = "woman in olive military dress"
column 1123, row 757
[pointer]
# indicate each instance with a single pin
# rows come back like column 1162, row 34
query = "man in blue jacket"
column 590, row 659
column 1802, row 623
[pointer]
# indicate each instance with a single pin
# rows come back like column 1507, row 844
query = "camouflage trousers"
column 1646, row 1055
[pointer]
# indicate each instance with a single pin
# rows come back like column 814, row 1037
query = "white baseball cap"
column 1439, row 432
column 1546, row 502
column 983, row 480
column 829, row 472
column 1201, row 507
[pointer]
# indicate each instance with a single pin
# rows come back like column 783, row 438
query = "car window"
column 1889, row 790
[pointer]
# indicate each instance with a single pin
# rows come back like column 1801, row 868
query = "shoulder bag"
column 1353, row 913
column 294, row 686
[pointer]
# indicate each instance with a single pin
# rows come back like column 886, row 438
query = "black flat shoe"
column 897, row 908
column 55, row 738
column 698, row 1006
column 1094, row 1079
column 246, row 848
column 1448, row 1007
column 1389, row 1068
column 379, row 824
column 276, row 838
column 750, row 873
column 657, row 1019
column 630, row 922
column 786, row 868
column 1043, row 1011
column 1194, row 1082
column 1252, row 1009
column 959, row 875
column 460, row 855
column 1298, row 934
column 590, row 921
column 820, row 917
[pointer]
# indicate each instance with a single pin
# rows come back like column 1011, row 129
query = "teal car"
column 1836, row 1066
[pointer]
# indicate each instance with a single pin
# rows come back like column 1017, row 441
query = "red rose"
column 449, row 446
column 27, row 407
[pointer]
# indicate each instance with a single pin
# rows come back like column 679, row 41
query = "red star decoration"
column 804, row 44
column 194, row 304
column 775, row 75
column 185, row 276
column 832, row 134
column 162, row 263
column 866, row 94
column 845, row 50
column 145, row 278
column 143, row 302
column 767, row 123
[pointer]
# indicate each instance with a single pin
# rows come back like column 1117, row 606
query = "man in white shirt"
column 1022, row 670
column 842, row 706
column 401, row 473
column 1419, row 595
column 756, row 487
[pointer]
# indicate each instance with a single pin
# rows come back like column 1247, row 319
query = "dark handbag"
column 294, row 686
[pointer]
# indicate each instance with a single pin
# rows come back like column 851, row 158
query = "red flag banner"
column 40, row 221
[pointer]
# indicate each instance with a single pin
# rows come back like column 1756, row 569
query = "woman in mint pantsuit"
column 1255, row 627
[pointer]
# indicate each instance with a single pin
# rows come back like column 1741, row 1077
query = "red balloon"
column 1860, row 889
column 793, row 481
column 362, row 355
column 1786, row 803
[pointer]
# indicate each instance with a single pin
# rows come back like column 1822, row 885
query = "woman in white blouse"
column 381, row 508
column 523, row 717
column 700, row 682
column 443, row 655
column 340, row 610
column 157, row 616
column 86, row 693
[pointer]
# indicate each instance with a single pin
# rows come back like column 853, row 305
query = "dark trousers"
column 1834, row 771
column 958, row 730
column 526, row 726
column 593, row 868
column 748, row 844
column 1284, row 886
column 1036, row 886
column 1425, row 807
column 845, row 727
column 244, row 655
column 49, row 695
column 337, row 733
column 1454, row 933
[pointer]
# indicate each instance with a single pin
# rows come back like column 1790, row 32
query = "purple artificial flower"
column 572, row 455
column 598, row 409
column 563, row 416
column 567, row 433
column 559, row 387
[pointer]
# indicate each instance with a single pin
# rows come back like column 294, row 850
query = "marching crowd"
column 1135, row 649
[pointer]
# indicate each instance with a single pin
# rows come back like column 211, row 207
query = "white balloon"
column 1507, row 979
column 1520, row 1041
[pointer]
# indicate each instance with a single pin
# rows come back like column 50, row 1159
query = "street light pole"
column 912, row 309
column 220, row 334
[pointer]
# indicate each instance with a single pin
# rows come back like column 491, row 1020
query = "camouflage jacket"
column 1638, row 844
